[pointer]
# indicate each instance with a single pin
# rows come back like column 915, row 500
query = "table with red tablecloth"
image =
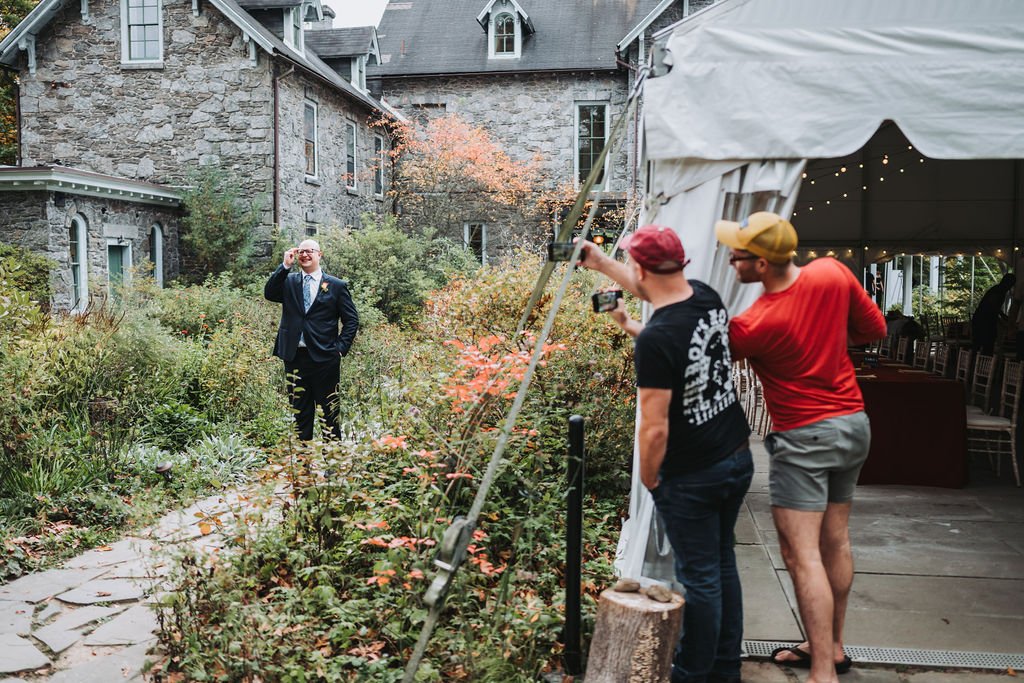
column 918, row 428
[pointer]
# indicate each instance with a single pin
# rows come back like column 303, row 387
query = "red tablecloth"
column 918, row 428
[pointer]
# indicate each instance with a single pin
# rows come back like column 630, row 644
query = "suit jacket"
column 319, row 325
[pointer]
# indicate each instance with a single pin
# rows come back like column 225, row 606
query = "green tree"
column 219, row 224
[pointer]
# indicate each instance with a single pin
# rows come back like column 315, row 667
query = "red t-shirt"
column 796, row 342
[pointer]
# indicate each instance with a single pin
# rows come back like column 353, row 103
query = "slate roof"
column 332, row 43
column 47, row 10
column 426, row 37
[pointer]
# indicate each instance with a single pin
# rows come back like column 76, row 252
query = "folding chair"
column 962, row 372
column 988, row 430
column 940, row 366
column 885, row 347
column 902, row 350
column 979, row 399
column 922, row 354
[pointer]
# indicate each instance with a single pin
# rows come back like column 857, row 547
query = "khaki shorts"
column 818, row 464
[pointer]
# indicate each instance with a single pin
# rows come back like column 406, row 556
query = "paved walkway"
column 938, row 570
column 939, row 577
column 90, row 620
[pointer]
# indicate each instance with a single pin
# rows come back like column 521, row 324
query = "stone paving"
column 90, row 620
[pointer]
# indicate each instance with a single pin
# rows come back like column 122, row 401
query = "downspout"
column 17, row 125
column 277, row 142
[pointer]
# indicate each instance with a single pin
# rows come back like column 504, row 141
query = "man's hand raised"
column 289, row 257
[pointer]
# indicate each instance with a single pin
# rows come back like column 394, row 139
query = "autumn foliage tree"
column 447, row 170
column 11, row 12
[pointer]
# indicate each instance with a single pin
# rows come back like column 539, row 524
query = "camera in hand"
column 606, row 301
column 562, row 251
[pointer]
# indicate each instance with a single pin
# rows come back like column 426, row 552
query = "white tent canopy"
column 760, row 92
column 769, row 79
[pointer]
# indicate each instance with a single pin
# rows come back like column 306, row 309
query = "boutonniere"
column 323, row 286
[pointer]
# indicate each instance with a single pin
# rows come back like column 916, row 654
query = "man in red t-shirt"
column 795, row 337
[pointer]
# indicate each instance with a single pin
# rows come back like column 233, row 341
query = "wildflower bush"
column 341, row 579
column 90, row 403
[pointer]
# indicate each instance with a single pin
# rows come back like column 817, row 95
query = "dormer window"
column 293, row 27
column 506, row 24
column 505, row 35
column 359, row 72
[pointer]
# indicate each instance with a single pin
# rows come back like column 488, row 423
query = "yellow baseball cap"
column 766, row 234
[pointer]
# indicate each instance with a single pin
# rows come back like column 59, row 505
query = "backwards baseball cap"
column 765, row 234
column 656, row 248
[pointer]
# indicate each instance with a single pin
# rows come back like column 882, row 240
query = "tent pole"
column 971, row 309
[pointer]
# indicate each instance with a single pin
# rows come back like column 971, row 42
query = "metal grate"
column 762, row 649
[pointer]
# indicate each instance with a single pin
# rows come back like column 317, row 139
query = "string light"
column 819, row 173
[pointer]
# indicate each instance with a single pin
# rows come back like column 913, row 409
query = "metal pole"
column 574, row 549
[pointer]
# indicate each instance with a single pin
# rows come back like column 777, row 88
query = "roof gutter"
column 379, row 77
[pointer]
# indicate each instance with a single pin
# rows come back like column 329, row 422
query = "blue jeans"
column 699, row 510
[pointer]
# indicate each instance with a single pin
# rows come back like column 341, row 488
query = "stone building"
column 120, row 100
column 545, row 79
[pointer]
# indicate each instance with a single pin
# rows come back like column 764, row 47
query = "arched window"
column 78, row 256
column 156, row 253
column 504, row 34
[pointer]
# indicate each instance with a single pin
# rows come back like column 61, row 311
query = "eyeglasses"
column 751, row 257
column 306, row 252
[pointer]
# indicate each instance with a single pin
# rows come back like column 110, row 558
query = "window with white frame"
column 506, row 37
column 504, row 34
column 350, row 156
column 359, row 72
column 142, row 39
column 591, row 136
column 378, row 171
column 474, row 238
column 309, row 135
column 293, row 27
column 78, row 251
column 156, row 253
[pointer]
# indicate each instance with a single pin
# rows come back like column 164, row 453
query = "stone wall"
column 312, row 203
column 42, row 223
column 208, row 103
column 533, row 118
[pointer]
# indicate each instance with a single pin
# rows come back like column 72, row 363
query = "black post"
column 574, row 549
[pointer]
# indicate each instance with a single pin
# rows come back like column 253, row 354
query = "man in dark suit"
column 308, row 341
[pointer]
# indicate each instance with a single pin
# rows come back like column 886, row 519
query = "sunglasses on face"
column 750, row 257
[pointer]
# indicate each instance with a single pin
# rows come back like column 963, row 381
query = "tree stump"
column 634, row 638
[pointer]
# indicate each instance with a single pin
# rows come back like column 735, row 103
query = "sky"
column 356, row 12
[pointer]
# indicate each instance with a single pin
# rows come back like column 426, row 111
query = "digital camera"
column 606, row 301
column 562, row 251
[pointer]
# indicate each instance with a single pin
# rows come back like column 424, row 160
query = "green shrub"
column 22, row 297
column 27, row 271
column 390, row 270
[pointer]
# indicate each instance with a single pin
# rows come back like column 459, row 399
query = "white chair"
column 902, row 350
column 885, row 346
column 922, row 354
column 962, row 372
column 940, row 366
column 979, row 398
column 988, row 430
